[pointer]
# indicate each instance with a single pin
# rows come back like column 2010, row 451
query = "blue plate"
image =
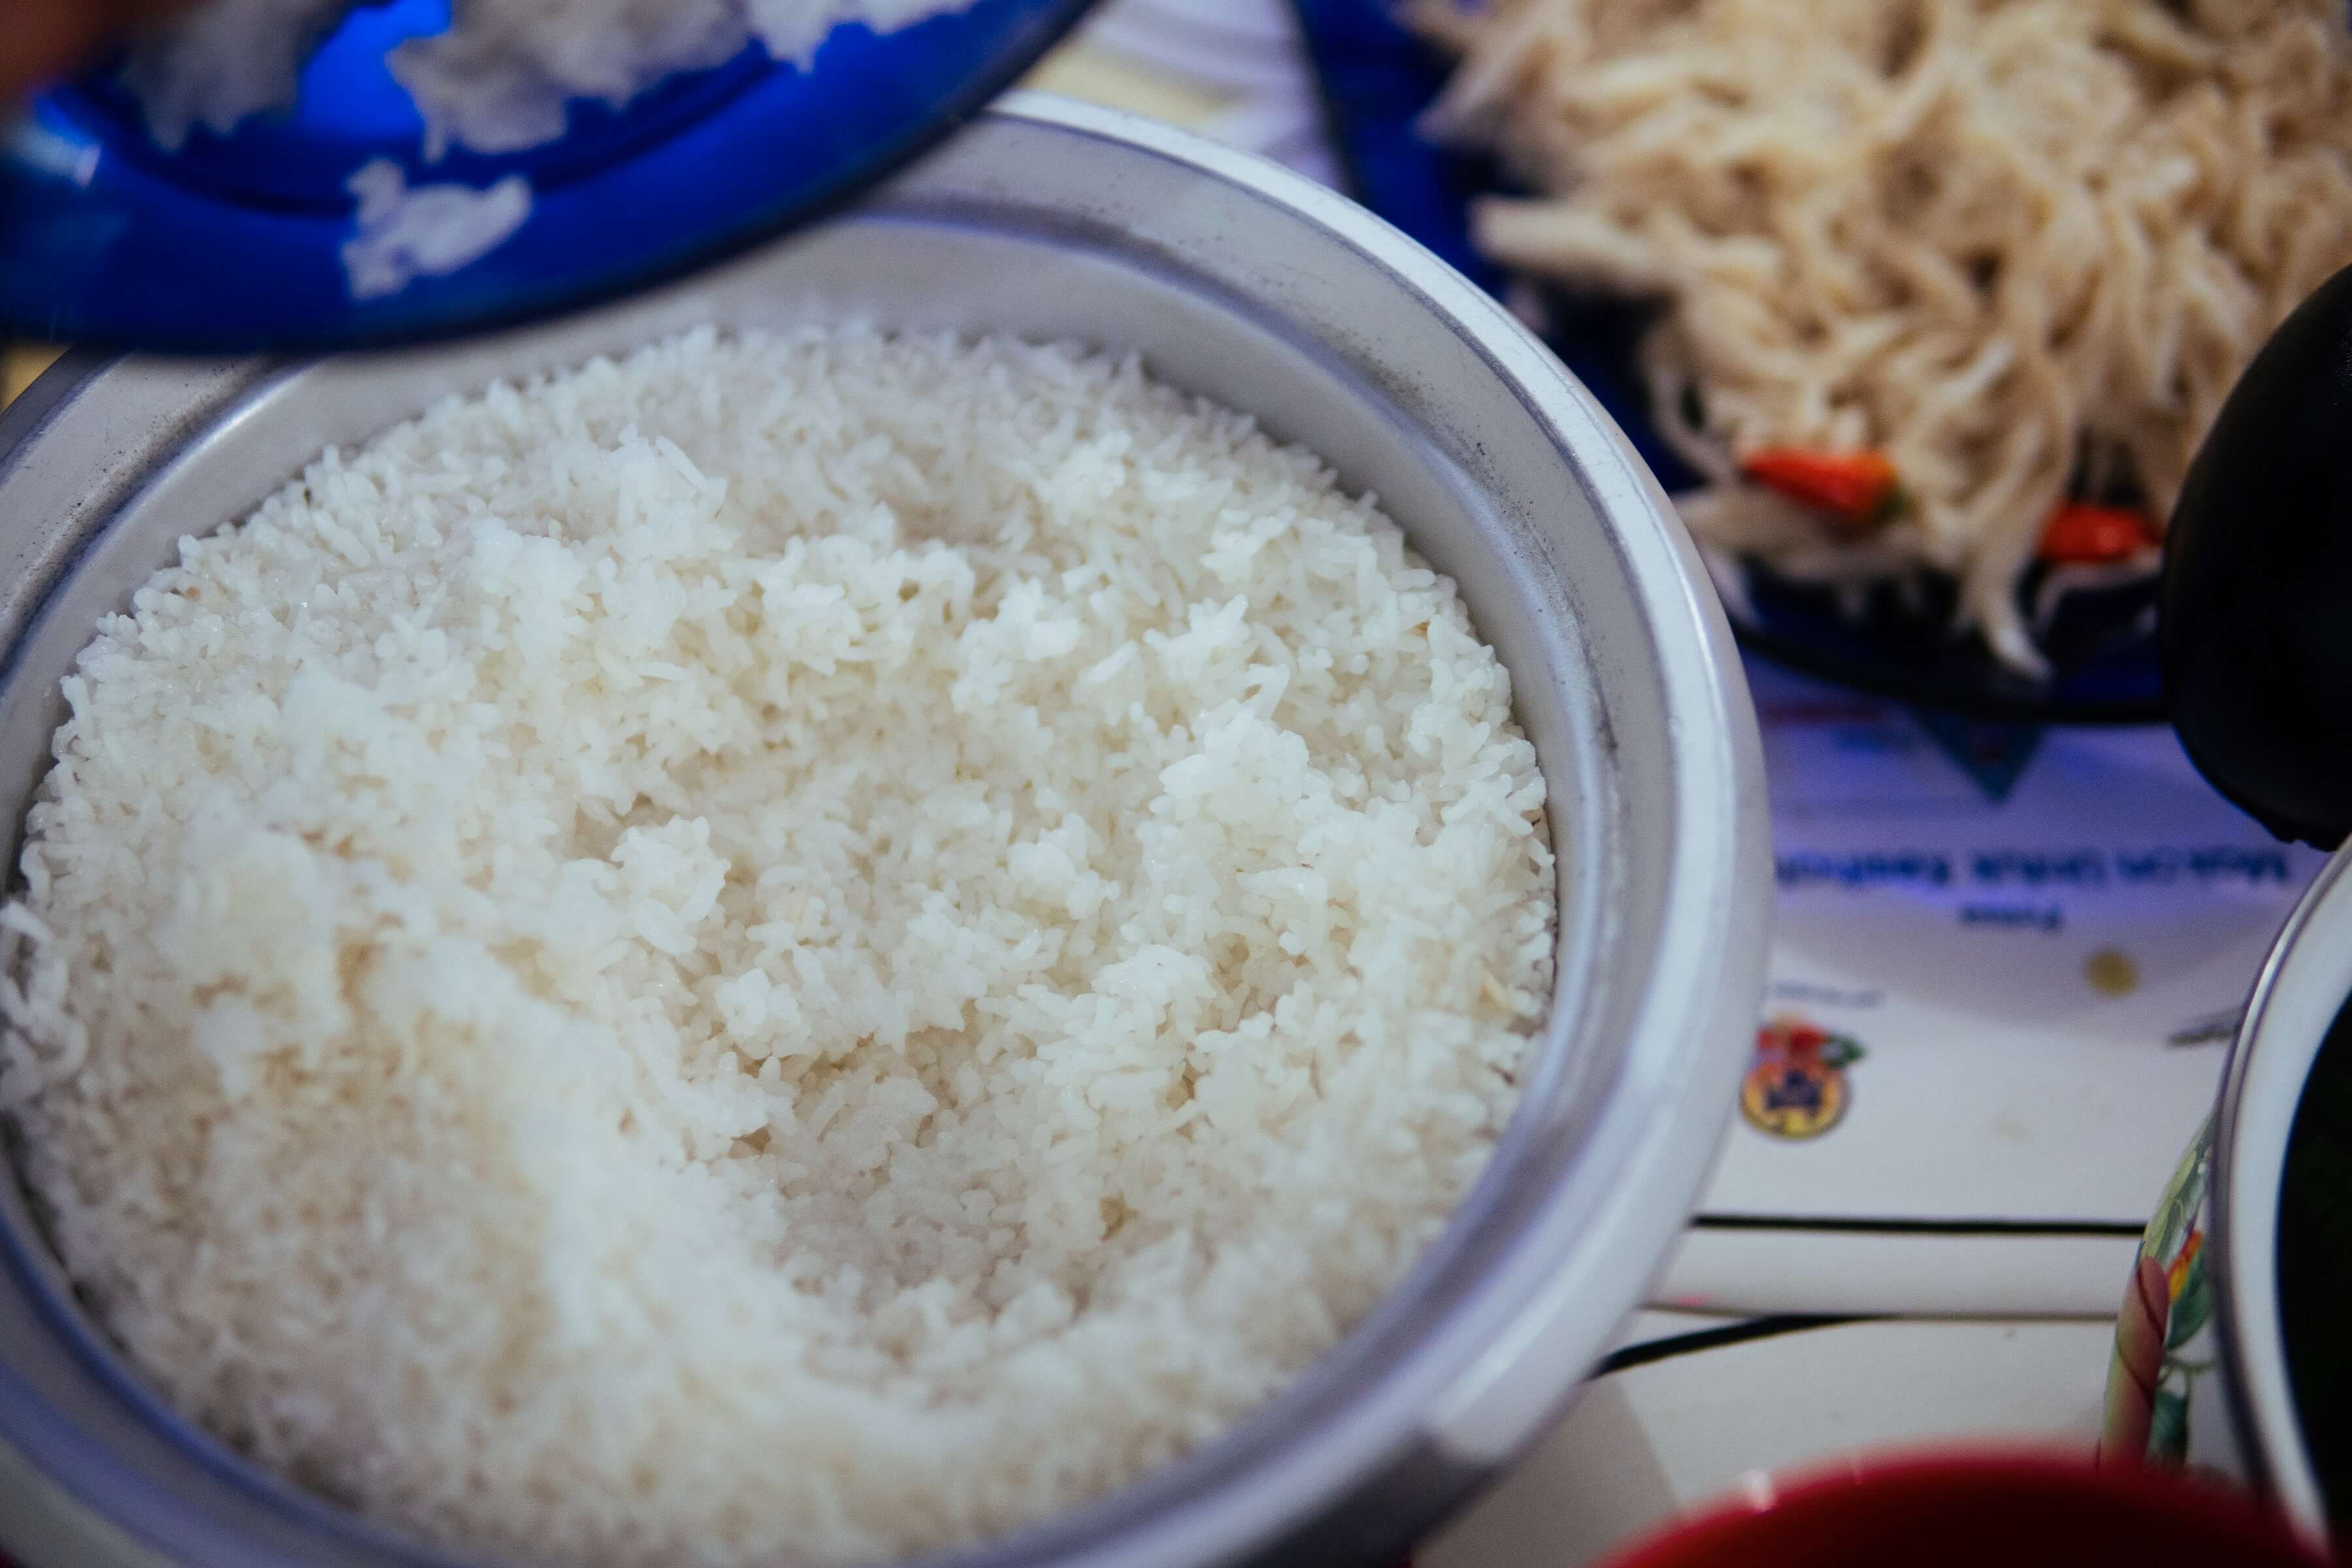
column 238, row 242
column 1376, row 79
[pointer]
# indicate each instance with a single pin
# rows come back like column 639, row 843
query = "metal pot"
column 2296, row 1007
column 2202, row 1335
column 1255, row 287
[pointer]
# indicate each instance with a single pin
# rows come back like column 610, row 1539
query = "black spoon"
column 2255, row 626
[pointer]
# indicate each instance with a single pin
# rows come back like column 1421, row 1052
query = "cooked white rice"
column 799, row 948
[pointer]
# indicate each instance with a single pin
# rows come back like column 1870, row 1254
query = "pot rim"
column 2304, row 984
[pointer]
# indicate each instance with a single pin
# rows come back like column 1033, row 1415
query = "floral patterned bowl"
column 2165, row 1335
column 2231, row 1354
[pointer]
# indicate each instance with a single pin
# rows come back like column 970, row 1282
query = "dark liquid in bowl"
column 2315, row 1267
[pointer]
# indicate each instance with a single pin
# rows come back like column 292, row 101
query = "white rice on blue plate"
column 502, row 78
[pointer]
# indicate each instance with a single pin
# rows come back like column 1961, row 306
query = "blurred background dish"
column 258, row 239
column 1959, row 1508
column 1885, row 623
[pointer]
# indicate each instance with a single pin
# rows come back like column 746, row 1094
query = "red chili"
column 1857, row 489
column 2084, row 535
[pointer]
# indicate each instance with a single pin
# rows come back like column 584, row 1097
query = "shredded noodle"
column 2021, row 248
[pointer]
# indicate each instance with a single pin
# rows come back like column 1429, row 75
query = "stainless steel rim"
column 2260, row 1397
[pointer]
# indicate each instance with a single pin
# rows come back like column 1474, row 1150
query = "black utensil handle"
column 2255, row 620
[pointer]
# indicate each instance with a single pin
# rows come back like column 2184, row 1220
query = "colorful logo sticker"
column 1797, row 1088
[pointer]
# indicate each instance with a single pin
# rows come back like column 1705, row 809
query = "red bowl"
column 1954, row 1511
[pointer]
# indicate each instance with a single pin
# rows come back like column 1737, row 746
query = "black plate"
column 1894, row 639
